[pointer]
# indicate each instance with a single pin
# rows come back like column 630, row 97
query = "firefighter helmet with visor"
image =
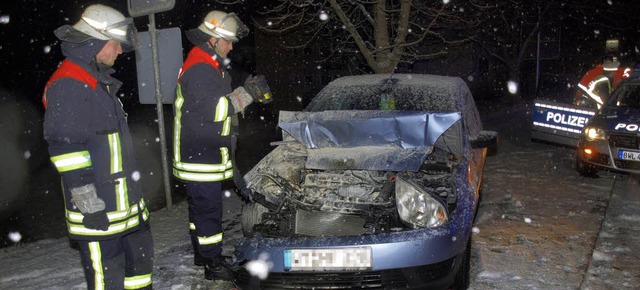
column 102, row 22
column 224, row 25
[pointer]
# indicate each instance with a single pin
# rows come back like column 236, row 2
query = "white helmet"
column 223, row 25
column 102, row 22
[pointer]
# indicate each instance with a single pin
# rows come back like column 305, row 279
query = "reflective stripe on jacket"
column 202, row 121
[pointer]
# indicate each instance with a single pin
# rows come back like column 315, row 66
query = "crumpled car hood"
column 369, row 140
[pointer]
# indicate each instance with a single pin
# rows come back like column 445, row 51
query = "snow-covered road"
column 542, row 226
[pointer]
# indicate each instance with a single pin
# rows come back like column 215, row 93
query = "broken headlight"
column 418, row 208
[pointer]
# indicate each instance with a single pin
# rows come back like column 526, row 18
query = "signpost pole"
column 159, row 109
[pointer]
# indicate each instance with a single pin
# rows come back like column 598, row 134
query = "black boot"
column 198, row 260
column 218, row 269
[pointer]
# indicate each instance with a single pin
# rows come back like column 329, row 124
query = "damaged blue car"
column 374, row 185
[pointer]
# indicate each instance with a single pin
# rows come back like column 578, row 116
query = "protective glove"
column 96, row 221
column 86, row 199
column 258, row 88
column 240, row 99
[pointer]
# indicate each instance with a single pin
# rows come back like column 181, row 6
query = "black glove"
column 96, row 221
column 258, row 88
column 246, row 194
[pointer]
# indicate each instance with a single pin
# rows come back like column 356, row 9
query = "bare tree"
column 511, row 31
column 386, row 33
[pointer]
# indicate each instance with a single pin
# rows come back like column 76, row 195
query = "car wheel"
column 462, row 277
column 585, row 169
column 251, row 215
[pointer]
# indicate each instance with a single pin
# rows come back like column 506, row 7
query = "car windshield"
column 400, row 92
column 627, row 96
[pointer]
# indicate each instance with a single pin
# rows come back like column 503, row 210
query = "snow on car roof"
column 411, row 92
column 403, row 92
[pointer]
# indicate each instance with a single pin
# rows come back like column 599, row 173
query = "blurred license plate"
column 628, row 155
column 337, row 259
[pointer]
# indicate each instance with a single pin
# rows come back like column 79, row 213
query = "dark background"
column 29, row 53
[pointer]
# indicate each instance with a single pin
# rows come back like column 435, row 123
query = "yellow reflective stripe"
column 226, row 127
column 203, row 177
column 116, row 155
column 177, row 123
column 128, row 219
column 76, row 217
column 121, row 194
column 192, row 226
column 210, row 240
column 72, row 161
column 79, row 229
column 222, row 110
column 96, row 261
column 137, row 282
column 202, row 167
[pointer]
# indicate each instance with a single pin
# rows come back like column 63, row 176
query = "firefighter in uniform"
column 204, row 105
column 596, row 85
column 91, row 147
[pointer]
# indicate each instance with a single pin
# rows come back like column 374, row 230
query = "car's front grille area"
column 388, row 279
column 621, row 140
column 317, row 224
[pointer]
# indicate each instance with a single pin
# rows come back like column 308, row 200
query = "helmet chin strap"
column 214, row 45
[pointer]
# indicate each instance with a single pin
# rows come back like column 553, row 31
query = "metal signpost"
column 149, row 7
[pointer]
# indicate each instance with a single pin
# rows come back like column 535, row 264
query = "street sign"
column 146, row 7
column 169, row 45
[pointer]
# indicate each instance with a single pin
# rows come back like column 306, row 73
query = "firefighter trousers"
column 124, row 262
column 205, row 219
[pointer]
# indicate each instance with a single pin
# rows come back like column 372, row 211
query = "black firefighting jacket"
column 89, row 141
column 202, row 120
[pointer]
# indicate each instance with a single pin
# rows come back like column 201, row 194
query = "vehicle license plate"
column 338, row 259
column 628, row 155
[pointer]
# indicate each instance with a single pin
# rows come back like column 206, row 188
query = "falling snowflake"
column 323, row 16
column 47, row 49
column 26, row 154
column 135, row 175
column 4, row 19
column 527, row 220
column 14, row 236
column 227, row 193
column 513, row 87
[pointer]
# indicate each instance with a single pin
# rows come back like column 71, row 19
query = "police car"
column 610, row 140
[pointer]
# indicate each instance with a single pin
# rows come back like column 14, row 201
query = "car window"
column 628, row 96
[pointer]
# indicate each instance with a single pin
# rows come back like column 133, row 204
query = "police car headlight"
column 418, row 208
column 593, row 134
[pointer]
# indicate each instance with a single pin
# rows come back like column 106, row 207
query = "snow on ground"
column 53, row 264
column 539, row 220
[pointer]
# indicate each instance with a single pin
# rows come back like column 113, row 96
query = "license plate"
column 338, row 259
column 629, row 155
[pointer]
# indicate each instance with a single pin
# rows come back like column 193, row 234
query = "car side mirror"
column 485, row 139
